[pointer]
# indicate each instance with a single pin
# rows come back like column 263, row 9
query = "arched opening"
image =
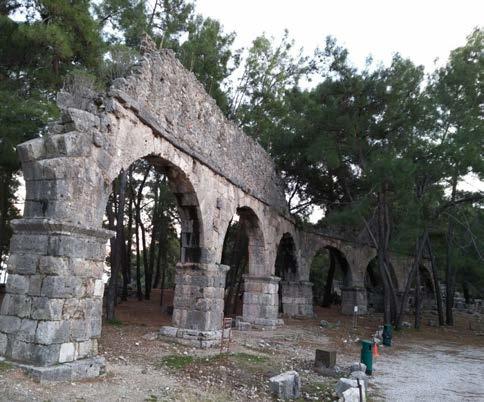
column 243, row 252
column 286, row 264
column 330, row 273
column 155, row 213
column 374, row 287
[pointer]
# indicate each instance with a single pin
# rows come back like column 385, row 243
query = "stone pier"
column 198, row 304
column 261, row 301
column 51, row 316
column 297, row 299
column 351, row 297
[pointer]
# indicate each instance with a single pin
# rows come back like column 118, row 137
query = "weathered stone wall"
column 169, row 99
column 51, row 313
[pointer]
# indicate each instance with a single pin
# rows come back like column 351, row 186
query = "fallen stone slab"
column 344, row 384
column 360, row 375
column 353, row 395
column 74, row 371
column 357, row 366
column 286, row 385
column 325, row 358
column 354, row 386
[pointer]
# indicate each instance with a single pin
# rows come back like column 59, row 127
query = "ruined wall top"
column 169, row 99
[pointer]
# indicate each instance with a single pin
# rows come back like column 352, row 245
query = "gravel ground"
column 141, row 367
column 429, row 372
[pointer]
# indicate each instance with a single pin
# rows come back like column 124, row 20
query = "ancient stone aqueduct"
column 51, row 315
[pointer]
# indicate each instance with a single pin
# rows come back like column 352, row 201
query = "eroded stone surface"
column 51, row 313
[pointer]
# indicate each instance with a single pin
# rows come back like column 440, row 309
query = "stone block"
column 23, row 264
column 21, row 243
column 67, row 352
column 35, row 284
column 62, row 287
column 44, row 308
column 3, row 343
column 84, row 349
column 27, row 330
column 18, row 305
column 74, row 309
column 31, row 150
column 98, row 288
column 168, row 331
column 286, row 385
column 17, row 284
column 96, row 326
column 325, row 358
column 46, row 355
column 80, row 330
column 49, row 332
column 360, row 375
column 9, row 324
column 353, row 395
column 49, row 265
column 346, row 384
column 22, row 351
column 357, row 366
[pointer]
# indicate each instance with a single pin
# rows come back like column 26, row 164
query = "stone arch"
column 286, row 264
column 338, row 262
column 256, row 245
column 374, row 286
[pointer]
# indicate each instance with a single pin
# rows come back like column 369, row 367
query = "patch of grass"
column 4, row 366
column 242, row 357
column 151, row 398
column 115, row 322
column 176, row 362
column 321, row 390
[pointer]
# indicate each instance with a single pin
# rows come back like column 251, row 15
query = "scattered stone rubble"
column 286, row 385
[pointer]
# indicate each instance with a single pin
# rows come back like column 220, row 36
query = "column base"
column 192, row 337
column 74, row 371
column 297, row 299
column 351, row 297
column 261, row 302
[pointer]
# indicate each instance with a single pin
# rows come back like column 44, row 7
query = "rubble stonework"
column 52, row 311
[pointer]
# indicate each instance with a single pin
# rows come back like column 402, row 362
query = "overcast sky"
column 420, row 30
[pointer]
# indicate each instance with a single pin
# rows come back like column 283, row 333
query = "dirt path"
column 141, row 367
column 429, row 372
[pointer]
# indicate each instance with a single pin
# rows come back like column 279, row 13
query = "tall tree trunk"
column 382, row 254
column 164, row 263
column 438, row 294
column 450, row 270
column 139, row 226
column 156, row 280
column 129, row 243
column 139, row 291
column 421, row 241
column 328, row 287
column 418, row 299
column 118, row 247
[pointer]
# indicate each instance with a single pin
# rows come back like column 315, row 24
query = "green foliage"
column 115, row 322
column 176, row 362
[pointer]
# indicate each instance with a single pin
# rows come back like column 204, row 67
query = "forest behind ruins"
column 391, row 152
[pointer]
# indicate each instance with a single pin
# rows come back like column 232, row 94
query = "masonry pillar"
column 297, row 298
column 198, row 305
column 261, row 301
column 351, row 297
column 50, row 319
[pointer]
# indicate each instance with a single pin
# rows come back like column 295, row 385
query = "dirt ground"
column 141, row 367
